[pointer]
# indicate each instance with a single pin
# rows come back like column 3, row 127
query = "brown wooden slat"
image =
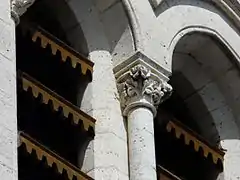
column 198, row 141
column 51, row 157
column 65, row 50
column 57, row 101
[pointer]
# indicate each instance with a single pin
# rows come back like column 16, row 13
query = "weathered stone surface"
column 141, row 144
column 154, row 32
column 8, row 111
column 141, row 91
column 108, row 173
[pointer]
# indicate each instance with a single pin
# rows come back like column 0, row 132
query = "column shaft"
column 141, row 144
column 106, row 156
column 231, row 164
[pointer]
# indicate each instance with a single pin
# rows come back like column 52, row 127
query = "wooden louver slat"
column 66, row 51
column 51, row 157
column 57, row 101
column 198, row 142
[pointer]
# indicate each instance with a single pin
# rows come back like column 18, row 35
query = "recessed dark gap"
column 40, row 121
column 172, row 153
column 45, row 16
column 50, row 70
column 182, row 160
column 176, row 108
column 32, row 168
column 50, row 128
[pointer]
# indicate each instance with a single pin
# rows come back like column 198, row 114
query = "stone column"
column 231, row 162
column 141, row 91
column 141, row 144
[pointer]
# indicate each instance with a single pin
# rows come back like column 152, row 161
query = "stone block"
column 110, row 151
column 114, row 30
column 7, row 173
column 212, row 96
column 196, row 106
column 231, row 158
column 7, row 40
column 5, row 14
column 107, row 173
column 212, row 59
column 208, row 128
column 103, row 5
column 78, row 42
column 225, row 123
column 194, row 73
column 229, row 85
column 8, row 147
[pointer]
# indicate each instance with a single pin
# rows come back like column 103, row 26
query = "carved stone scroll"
column 19, row 7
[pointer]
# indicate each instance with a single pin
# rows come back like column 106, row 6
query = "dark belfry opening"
column 50, row 128
column 39, row 120
column 31, row 168
column 172, row 153
column 48, row 69
column 187, row 133
column 179, row 111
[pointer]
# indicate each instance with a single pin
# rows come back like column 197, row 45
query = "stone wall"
column 154, row 31
column 8, row 113
column 110, row 32
column 106, row 156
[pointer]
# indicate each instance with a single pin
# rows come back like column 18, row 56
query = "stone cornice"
column 122, row 69
column 141, row 85
column 18, row 8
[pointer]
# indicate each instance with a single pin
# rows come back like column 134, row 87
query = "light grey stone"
column 107, row 173
column 154, row 31
column 231, row 159
column 141, row 92
column 8, row 110
column 141, row 144
column 7, row 41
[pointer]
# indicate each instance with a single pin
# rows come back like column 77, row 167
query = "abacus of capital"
column 141, row 91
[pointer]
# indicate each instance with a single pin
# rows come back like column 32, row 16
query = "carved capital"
column 19, row 7
column 140, row 88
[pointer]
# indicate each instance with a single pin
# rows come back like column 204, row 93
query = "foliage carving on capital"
column 141, row 86
column 19, row 7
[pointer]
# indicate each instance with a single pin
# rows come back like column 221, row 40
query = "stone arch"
column 103, row 106
column 86, row 22
column 118, row 40
column 180, row 18
column 223, row 46
column 210, row 66
column 230, row 8
column 60, row 17
column 62, row 22
column 199, row 29
column 214, row 25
